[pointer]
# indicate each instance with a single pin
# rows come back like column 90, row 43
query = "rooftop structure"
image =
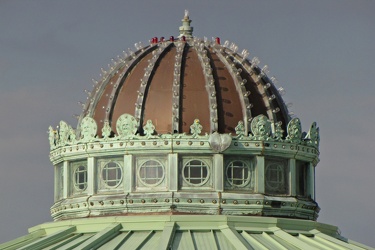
column 184, row 143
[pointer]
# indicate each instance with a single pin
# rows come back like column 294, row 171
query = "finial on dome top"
column 186, row 30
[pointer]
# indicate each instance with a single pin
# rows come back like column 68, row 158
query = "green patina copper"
column 217, row 197
column 259, row 171
column 135, row 188
column 183, row 232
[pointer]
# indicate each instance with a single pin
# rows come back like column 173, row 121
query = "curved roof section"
column 183, row 232
column 173, row 82
column 185, row 90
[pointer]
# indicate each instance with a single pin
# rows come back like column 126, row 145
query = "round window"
column 151, row 173
column 275, row 179
column 112, row 174
column 80, row 178
column 238, row 173
column 195, row 172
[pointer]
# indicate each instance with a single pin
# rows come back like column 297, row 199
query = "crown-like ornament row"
column 127, row 127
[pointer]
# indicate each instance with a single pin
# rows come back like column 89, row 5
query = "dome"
column 185, row 126
column 184, row 144
column 174, row 81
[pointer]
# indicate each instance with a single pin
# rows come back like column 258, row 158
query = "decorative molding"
column 209, row 82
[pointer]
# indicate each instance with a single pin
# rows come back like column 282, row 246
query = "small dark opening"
column 276, row 204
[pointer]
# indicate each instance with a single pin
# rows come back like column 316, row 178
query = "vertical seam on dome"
column 268, row 99
column 145, row 81
column 209, row 83
column 262, row 90
column 235, row 73
column 121, row 80
column 272, row 110
column 176, row 87
column 102, row 84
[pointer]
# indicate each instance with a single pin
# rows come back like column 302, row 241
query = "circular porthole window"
column 151, row 173
column 196, row 172
column 238, row 173
column 80, row 178
column 112, row 174
column 275, row 177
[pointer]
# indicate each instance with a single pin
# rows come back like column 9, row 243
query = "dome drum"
column 128, row 173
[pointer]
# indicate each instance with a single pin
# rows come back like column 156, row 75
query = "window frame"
column 248, row 183
column 101, row 184
column 207, row 183
column 284, row 187
column 140, row 180
column 74, row 166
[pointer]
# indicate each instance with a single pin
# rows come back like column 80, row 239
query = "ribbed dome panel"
column 127, row 96
column 158, row 100
column 228, row 101
column 174, row 83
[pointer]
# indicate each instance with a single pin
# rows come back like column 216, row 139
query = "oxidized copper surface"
column 194, row 96
column 127, row 96
column 100, row 109
column 195, row 103
column 229, row 109
column 158, row 101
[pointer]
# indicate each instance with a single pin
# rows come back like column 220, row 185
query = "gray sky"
column 322, row 52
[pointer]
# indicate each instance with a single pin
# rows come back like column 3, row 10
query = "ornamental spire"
column 186, row 30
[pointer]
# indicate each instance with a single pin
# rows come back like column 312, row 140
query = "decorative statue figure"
column 196, row 128
column 51, row 137
column 312, row 136
column 63, row 133
column 149, row 129
column 294, row 131
column 72, row 135
column 126, row 125
column 261, row 127
column 89, row 129
column 240, row 129
column 279, row 132
column 106, row 130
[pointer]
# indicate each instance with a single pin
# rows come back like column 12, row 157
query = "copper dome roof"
column 153, row 138
column 172, row 82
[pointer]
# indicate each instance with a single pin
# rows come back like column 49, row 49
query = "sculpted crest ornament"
column 149, row 129
column 240, row 129
column 261, row 127
column 196, row 128
column 52, row 134
column 312, row 136
column 106, row 130
column 279, row 132
column 72, row 135
column 89, row 129
column 63, row 133
column 126, row 125
column 294, row 131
